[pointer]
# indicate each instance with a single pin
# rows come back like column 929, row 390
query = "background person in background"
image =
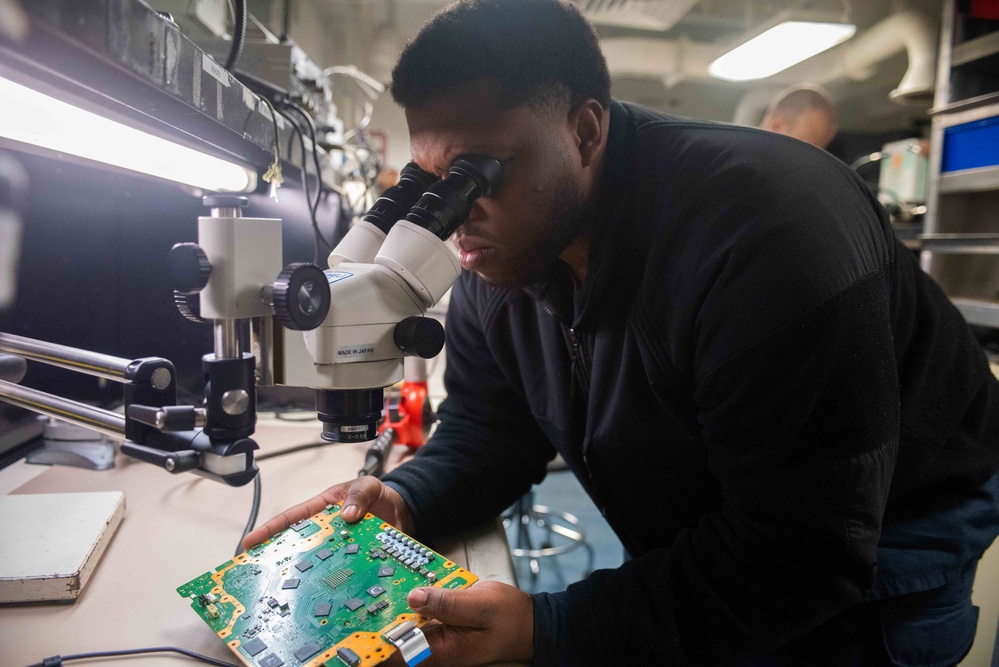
column 804, row 112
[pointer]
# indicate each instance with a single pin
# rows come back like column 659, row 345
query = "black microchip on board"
column 290, row 583
column 351, row 549
column 375, row 591
column 350, row 658
column 353, row 604
column 322, row 609
column 271, row 660
column 324, row 554
column 386, row 571
column 255, row 646
column 303, row 565
column 307, row 651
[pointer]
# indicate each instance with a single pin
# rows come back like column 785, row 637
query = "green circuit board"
column 323, row 592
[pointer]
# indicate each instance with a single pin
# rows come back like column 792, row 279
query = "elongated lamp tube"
column 37, row 119
column 778, row 48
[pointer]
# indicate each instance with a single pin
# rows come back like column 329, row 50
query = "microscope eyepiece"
column 349, row 415
column 395, row 202
column 447, row 203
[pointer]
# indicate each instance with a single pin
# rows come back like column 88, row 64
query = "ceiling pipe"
column 909, row 30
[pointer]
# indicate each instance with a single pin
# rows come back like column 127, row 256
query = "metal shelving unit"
column 960, row 244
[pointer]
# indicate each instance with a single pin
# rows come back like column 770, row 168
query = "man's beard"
column 563, row 222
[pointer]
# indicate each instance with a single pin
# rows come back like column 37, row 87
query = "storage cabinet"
column 961, row 233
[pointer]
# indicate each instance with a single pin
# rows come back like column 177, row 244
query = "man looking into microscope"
column 786, row 422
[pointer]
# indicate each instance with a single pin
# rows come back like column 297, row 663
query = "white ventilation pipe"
column 909, row 30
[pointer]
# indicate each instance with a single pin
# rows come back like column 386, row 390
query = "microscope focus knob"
column 301, row 297
column 419, row 337
column 189, row 306
column 189, row 268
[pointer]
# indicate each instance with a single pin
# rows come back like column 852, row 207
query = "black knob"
column 301, row 297
column 419, row 337
column 224, row 201
column 189, row 268
column 189, row 306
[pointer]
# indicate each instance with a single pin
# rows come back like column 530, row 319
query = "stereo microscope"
column 344, row 331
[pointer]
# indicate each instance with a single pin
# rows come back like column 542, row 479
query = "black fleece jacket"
column 754, row 376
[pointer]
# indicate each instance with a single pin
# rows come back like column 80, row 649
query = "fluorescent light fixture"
column 778, row 48
column 34, row 118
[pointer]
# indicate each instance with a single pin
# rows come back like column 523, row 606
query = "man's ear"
column 588, row 120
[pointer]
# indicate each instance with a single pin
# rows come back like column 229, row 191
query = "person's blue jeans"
column 933, row 628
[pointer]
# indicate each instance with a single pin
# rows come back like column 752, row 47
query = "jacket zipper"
column 579, row 388
column 580, row 361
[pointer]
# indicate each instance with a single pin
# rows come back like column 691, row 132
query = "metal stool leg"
column 555, row 526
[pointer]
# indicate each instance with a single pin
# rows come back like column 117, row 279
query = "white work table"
column 175, row 528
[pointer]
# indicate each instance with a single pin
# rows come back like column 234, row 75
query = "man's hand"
column 365, row 494
column 489, row 622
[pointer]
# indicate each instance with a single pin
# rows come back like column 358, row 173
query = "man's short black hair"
column 540, row 52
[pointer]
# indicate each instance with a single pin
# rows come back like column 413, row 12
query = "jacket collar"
column 611, row 237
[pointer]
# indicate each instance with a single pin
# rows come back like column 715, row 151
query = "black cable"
column 374, row 459
column 285, row 20
column 320, row 191
column 314, row 136
column 292, row 450
column 254, row 510
column 58, row 660
column 238, row 37
column 296, row 131
column 284, row 104
column 319, row 239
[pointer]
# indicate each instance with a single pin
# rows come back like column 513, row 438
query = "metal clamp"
column 410, row 641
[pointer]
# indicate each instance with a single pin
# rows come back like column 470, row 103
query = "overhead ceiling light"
column 776, row 49
column 36, row 119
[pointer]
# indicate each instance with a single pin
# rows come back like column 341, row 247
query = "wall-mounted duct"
column 909, row 30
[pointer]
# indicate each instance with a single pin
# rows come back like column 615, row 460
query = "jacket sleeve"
column 801, row 430
column 487, row 450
